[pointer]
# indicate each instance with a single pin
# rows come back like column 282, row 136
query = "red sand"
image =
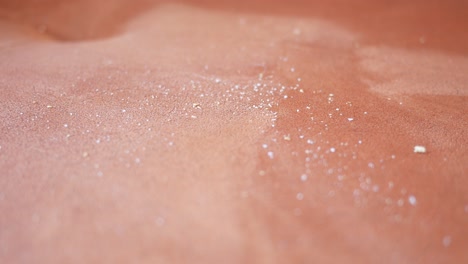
column 233, row 132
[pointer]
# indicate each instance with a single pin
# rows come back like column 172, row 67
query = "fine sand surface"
column 233, row 131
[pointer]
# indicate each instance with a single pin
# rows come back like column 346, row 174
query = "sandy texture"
column 233, row 132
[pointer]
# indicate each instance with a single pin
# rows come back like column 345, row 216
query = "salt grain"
column 446, row 241
column 419, row 149
column 300, row 196
column 412, row 200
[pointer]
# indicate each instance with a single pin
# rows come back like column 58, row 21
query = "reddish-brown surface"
column 233, row 132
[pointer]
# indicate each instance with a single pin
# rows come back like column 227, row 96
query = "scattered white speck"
column 446, row 241
column 264, row 146
column 350, row 119
column 49, row 106
column 287, row 137
column 123, row 110
column 297, row 31
column 299, row 196
column 388, row 201
column 270, row 154
column 356, row 193
column 304, row 177
column 332, row 150
column 371, row 165
column 65, row 125
column 293, row 70
column 310, row 142
column 419, row 149
column 412, row 200
column 160, row 221
column 137, row 160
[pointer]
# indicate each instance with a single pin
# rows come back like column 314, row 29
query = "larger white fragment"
column 419, row 149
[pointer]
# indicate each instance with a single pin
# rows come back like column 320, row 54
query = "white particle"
column 310, row 141
column 446, row 241
column 65, row 125
column 300, row 196
column 123, row 110
column 419, row 149
column 264, row 146
column 304, row 177
column 270, row 154
column 356, row 192
column 160, row 221
column 293, row 70
column 412, row 200
column 370, row 165
column 350, row 119
column 332, row 150
column 400, row 202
